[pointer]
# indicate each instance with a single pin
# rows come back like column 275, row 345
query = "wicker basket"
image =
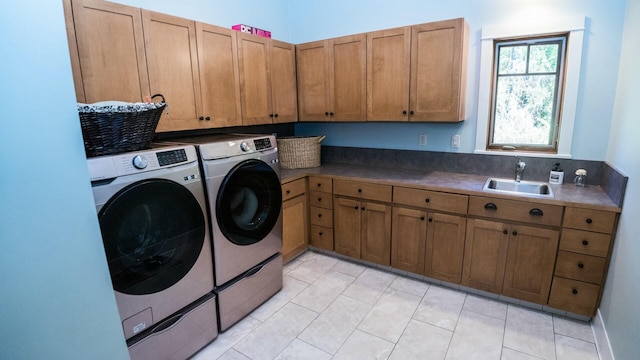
column 113, row 127
column 298, row 152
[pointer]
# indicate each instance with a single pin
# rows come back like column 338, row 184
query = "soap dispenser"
column 556, row 176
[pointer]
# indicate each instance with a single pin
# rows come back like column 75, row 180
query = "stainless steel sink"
column 509, row 186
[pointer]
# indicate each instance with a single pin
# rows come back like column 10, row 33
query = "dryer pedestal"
column 243, row 295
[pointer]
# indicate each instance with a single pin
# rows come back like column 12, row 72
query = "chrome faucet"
column 519, row 168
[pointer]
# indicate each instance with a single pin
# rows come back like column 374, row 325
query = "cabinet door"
column 485, row 254
column 445, row 247
column 219, row 79
column 255, row 83
column 172, row 61
column 388, row 65
column 408, row 239
column 283, row 82
column 294, row 226
column 346, row 227
column 107, row 51
column 313, row 81
column 376, row 233
column 438, row 71
column 530, row 262
column 347, row 72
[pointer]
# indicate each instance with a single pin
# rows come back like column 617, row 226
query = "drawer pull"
column 580, row 265
column 288, row 192
column 362, row 208
column 319, row 199
column 574, row 291
column 426, row 200
column 359, row 190
column 585, row 242
column 356, row 207
column 490, row 206
column 589, row 221
column 319, row 184
column 319, row 215
column 536, row 212
column 320, row 233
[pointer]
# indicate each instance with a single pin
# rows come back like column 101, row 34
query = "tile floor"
column 331, row 308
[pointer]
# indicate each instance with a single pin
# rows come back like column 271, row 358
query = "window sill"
column 524, row 154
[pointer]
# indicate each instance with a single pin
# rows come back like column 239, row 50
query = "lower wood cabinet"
column 509, row 259
column 428, row 243
column 294, row 219
column 362, row 230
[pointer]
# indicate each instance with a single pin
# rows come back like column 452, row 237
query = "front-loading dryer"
column 242, row 177
column 151, row 208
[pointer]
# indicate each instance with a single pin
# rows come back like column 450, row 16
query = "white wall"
column 57, row 300
column 313, row 20
column 619, row 307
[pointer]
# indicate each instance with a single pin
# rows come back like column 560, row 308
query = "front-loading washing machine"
column 151, row 208
column 242, row 177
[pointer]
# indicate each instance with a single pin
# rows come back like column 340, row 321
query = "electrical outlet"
column 455, row 141
column 423, row 139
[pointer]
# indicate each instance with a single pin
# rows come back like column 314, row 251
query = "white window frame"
column 575, row 27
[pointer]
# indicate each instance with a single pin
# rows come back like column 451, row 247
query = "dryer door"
column 153, row 232
column 249, row 202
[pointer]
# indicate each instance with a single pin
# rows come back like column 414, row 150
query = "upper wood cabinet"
column 219, row 79
column 267, row 80
column 172, row 60
column 418, row 73
column 112, row 67
column 332, row 79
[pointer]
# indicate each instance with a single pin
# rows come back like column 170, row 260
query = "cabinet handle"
column 404, row 112
column 362, row 208
column 359, row 190
column 331, row 113
column 208, row 118
column 430, row 219
column 276, row 115
column 288, row 192
column 320, row 233
column 201, row 118
column 585, row 242
column 319, row 184
column 589, row 221
column 581, row 265
column 505, row 232
column 421, row 218
column 356, row 207
column 514, row 233
column 326, row 113
column 319, row 199
column 536, row 212
column 574, row 291
column 411, row 112
column 270, row 115
column 426, row 200
column 490, row 206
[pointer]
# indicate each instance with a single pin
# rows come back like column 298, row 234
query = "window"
column 523, row 47
column 527, row 90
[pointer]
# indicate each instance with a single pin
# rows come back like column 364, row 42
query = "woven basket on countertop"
column 113, row 127
column 298, row 152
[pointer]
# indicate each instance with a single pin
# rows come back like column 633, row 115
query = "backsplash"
column 599, row 172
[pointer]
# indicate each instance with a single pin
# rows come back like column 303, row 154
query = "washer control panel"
column 171, row 157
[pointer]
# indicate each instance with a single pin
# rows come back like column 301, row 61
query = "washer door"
column 249, row 202
column 153, row 232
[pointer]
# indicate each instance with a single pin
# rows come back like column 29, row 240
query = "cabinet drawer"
column 293, row 189
column 320, row 199
column 542, row 214
column 580, row 267
column 585, row 242
column 362, row 190
column 322, row 237
column 321, row 217
column 318, row 183
column 574, row 296
column 590, row 220
column 432, row 200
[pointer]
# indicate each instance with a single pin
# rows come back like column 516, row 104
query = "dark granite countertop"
column 592, row 197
